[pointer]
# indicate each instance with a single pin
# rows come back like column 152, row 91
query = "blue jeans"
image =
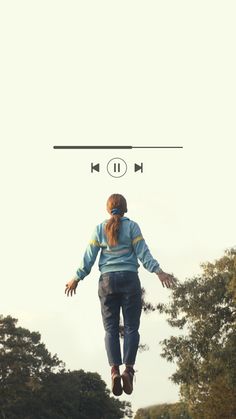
column 120, row 290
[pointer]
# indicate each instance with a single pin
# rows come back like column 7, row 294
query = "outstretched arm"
column 86, row 264
column 143, row 253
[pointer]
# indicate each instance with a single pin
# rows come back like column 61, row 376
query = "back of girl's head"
column 116, row 206
column 117, row 201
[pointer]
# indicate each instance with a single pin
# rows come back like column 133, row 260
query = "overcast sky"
column 113, row 73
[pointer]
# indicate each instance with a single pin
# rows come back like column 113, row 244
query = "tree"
column 35, row 384
column 77, row 394
column 204, row 308
column 164, row 411
column 24, row 363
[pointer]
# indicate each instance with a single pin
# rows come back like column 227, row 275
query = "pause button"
column 116, row 167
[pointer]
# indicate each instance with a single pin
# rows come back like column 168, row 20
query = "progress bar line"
column 106, row 147
column 159, row 146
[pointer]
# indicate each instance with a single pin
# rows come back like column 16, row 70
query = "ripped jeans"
column 120, row 290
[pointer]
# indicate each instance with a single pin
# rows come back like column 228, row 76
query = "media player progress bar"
column 108, row 147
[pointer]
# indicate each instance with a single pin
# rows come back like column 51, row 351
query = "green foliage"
column 24, row 362
column 76, row 394
column 164, row 411
column 35, row 384
column 204, row 309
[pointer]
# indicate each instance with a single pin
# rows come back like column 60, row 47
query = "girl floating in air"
column 120, row 243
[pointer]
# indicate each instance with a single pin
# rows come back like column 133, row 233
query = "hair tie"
column 116, row 211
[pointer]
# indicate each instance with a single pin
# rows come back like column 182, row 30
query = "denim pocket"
column 131, row 283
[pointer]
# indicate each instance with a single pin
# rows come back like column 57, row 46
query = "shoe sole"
column 116, row 387
column 127, row 386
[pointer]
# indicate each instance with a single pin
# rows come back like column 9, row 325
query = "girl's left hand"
column 167, row 280
column 71, row 287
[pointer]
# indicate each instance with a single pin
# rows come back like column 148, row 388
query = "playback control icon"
column 95, row 167
column 117, row 167
column 138, row 167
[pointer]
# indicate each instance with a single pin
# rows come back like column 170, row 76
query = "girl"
column 121, row 244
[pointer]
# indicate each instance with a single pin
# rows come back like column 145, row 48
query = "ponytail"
column 112, row 229
column 116, row 206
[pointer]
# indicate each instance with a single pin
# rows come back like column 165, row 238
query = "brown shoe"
column 127, row 378
column 116, row 381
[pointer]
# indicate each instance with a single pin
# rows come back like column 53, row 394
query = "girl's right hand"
column 167, row 280
column 71, row 287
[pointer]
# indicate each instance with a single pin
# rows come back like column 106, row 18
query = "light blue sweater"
column 122, row 257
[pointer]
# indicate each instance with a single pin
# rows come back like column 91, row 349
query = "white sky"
column 129, row 73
